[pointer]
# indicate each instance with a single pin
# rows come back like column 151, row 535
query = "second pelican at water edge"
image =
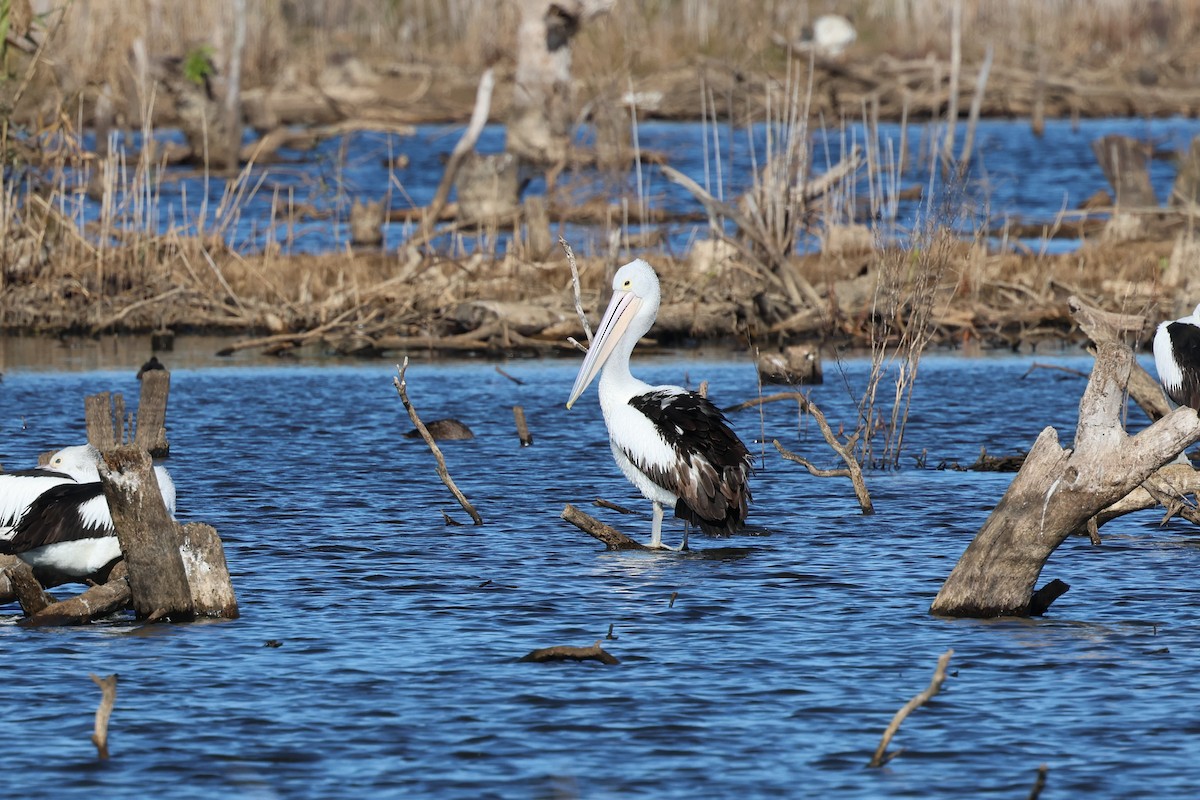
column 673, row 445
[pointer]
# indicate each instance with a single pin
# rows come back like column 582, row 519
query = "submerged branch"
column 880, row 758
column 108, row 688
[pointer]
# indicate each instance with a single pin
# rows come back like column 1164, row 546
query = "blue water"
column 783, row 657
column 1014, row 176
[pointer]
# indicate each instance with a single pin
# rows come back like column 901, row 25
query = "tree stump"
column 207, row 572
column 1057, row 492
column 1186, row 189
column 1124, row 162
column 150, row 539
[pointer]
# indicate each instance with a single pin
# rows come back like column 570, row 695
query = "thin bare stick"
column 587, row 328
column 443, row 473
column 880, row 758
column 845, row 450
column 517, row 381
column 1039, row 783
column 108, row 687
column 569, row 653
column 1068, row 370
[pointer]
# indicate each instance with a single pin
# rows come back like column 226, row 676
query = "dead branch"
column 845, row 450
column 1039, row 783
column 880, row 758
column 98, row 601
column 1107, row 326
column 443, row 473
column 479, row 117
column 28, row 591
column 587, row 328
column 568, row 653
column 522, row 428
column 1036, row 365
column 1058, row 490
column 613, row 539
column 108, row 697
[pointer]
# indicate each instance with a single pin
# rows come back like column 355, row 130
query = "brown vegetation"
column 367, row 63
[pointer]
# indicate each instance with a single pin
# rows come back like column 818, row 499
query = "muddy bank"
column 381, row 304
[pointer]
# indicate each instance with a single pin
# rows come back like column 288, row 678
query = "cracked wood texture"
column 1058, row 490
column 149, row 537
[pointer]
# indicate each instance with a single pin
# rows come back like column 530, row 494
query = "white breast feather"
column 1164, row 359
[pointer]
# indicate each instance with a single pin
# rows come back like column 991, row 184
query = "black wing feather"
column 714, row 493
column 54, row 517
column 1185, row 342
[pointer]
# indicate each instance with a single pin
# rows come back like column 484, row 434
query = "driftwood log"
column 97, row 602
column 1059, row 491
column 613, row 539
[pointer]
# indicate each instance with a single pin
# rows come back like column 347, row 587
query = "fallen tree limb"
column 612, row 538
column 1058, row 490
column 568, row 653
column 935, row 685
column 28, row 591
column 98, row 601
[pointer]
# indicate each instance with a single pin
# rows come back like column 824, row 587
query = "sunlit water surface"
column 782, row 658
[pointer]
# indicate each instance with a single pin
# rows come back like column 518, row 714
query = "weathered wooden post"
column 151, row 434
column 105, row 415
column 207, row 572
column 149, row 538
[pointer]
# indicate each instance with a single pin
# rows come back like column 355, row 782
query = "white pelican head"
column 630, row 314
column 79, row 461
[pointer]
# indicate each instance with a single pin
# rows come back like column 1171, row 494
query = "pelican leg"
column 656, row 531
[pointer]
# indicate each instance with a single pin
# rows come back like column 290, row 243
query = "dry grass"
column 297, row 39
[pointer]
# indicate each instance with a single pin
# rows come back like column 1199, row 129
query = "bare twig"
column 443, row 473
column 569, row 653
column 517, row 381
column 1039, row 783
column 587, row 328
column 845, row 450
column 1068, row 370
column 880, row 758
column 108, row 687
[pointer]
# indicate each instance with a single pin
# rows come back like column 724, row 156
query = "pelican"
column 55, row 517
column 675, row 446
column 1177, row 358
column 830, row 35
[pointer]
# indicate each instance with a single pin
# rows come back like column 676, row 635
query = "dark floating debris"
column 441, row 429
column 567, row 653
